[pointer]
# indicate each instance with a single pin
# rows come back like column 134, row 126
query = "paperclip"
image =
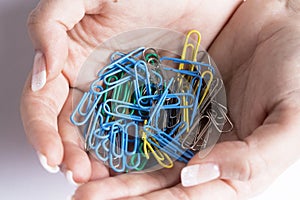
column 86, row 99
column 123, row 58
column 197, row 96
column 224, row 118
column 150, row 55
column 121, row 105
column 168, row 144
column 216, row 86
column 117, row 140
column 158, row 155
column 183, row 72
column 134, row 140
column 188, row 44
column 207, row 85
column 197, row 131
column 199, row 65
column 139, row 159
column 160, row 102
column 101, row 152
column 118, row 164
column 141, row 65
column 94, row 86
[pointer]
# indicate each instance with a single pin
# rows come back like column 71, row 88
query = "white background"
column 21, row 176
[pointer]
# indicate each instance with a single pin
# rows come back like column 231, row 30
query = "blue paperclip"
column 89, row 110
column 183, row 72
column 120, row 166
column 168, row 144
column 197, row 64
column 101, row 152
column 133, row 141
column 160, row 101
column 117, row 132
column 126, row 57
column 123, row 105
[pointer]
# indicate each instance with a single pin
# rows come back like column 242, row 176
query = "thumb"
column 256, row 156
column 48, row 25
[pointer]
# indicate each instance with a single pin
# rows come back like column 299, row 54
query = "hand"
column 258, row 54
column 64, row 32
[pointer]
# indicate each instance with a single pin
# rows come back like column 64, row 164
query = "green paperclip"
column 142, row 163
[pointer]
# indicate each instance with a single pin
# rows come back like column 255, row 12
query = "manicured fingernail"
column 197, row 174
column 44, row 163
column 70, row 179
column 39, row 72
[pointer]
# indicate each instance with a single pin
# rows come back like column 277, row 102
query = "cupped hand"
column 64, row 33
column 258, row 54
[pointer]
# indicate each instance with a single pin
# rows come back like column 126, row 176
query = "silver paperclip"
column 218, row 115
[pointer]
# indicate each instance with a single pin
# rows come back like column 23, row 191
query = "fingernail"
column 39, row 72
column 44, row 163
column 197, row 174
column 70, row 179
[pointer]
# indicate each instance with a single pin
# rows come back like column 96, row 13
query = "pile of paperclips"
column 140, row 112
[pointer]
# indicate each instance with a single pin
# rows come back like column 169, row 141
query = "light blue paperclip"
column 87, row 114
column 197, row 64
column 117, row 130
column 100, row 148
column 183, row 72
column 116, row 56
column 123, row 105
column 126, row 57
column 141, row 65
column 120, row 166
column 160, row 101
column 134, row 141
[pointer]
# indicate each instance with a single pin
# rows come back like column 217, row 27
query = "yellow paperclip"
column 195, row 49
column 207, row 85
column 187, row 45
column 158, row 155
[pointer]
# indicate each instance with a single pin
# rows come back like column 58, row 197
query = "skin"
column 257, row 53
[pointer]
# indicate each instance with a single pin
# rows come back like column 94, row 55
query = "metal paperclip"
column 216, row 86
column 219, row 117
column 190, row 140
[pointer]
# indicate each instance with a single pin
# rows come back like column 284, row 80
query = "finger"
column 127, row 185
column 272, row 144
column 39, row 113
column 48, row 25
column 217, row 190
column 77, row 165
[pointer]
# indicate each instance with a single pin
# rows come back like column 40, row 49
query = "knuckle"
column 245, row 171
